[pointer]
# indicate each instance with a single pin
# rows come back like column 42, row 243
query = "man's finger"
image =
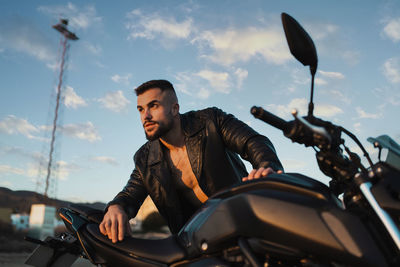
column 102, row 228
column 114, row 230
column 267, row 171
column 258, row 172
column 251, row 175
column 121, row 228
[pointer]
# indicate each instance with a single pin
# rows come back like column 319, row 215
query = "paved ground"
column 18, row 259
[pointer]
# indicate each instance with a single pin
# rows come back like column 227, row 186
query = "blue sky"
column 230, row 54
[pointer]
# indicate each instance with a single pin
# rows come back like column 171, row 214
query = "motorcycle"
column 283, row 220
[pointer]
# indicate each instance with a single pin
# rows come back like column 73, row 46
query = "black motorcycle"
column 283, row 220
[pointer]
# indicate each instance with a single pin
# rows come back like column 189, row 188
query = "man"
column 188, row 158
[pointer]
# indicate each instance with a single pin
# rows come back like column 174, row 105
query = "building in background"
column 20, row 222
column 41, row 221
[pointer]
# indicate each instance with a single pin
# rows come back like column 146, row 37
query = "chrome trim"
column 383, row 215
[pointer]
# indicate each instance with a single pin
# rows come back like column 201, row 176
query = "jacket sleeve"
column 132, row 195
column 250, row 145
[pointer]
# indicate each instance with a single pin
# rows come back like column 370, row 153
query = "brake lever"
column 319, row 133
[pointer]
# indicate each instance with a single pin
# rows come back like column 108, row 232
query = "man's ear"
column 175, row 109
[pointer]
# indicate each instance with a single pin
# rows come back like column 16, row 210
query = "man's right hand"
column 115, row 224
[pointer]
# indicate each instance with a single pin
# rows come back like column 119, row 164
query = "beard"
column 162, row 129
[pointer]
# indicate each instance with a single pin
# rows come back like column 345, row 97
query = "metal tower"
column 61, row 27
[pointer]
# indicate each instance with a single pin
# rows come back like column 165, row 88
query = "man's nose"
column 147, row 114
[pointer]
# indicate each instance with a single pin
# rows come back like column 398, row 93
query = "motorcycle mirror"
column 300, row 43
column 302, row 48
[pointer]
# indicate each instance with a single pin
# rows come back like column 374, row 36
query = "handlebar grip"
column 269, row 118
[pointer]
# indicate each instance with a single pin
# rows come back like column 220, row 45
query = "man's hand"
column 260, row 173
column 115, row 223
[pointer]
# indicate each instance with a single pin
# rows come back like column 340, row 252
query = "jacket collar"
column 190, row 126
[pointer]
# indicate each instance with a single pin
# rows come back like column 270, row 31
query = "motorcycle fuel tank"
column 290, row 215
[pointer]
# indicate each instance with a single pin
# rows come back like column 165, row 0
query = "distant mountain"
column 21, row 201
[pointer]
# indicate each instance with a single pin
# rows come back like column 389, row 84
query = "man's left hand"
column 260, row 173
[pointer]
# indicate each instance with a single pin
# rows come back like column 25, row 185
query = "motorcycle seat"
column 165, row 250
column 93, row 215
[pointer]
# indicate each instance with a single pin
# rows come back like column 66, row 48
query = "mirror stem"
column 311, row 104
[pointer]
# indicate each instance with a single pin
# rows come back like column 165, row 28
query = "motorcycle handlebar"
column 269, row 118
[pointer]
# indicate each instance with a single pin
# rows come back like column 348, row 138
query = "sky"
column 228, row 54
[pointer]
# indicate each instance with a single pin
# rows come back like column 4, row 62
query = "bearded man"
column 188, row 158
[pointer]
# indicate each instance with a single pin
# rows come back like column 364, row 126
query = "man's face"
column 156, row 115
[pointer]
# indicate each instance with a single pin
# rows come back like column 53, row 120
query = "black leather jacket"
column 213, row 141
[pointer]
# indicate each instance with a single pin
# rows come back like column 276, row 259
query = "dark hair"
column 162, row 84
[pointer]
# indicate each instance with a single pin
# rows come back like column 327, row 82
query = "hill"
column 20, row 201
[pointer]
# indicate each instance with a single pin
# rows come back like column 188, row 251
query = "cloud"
column 320, row 31
column 104, row 159
column 324, row 77
column 241, row 75
column 78, row 17
column 203, row 83
column 149, row 26
column 72, row 100
column 364, row 115
column 124, row 79
column 21, row 152
column 301, row 105
column 115, row 101
column 392, row 29
column 84, row 131
column 391, row 69
column 240, row 45
column 13, row 125
column 61, row 170
column 332, row 75
column 21, row 35
column 218, row 80
column 7, row 170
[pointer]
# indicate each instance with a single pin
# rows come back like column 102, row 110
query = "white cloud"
column 241, row 75
column 149, row 26
column 13, row 125
column 203, row 93
column 319, row 81
column 332, row 75
column 21, row 152
column 78, row 17
column 320, row 31
column 7, row 170
column 391, row 69
column 192, row 83
column 124, row 79
column 60, row 169
column 21, row 35
column 104, row 159
column 364, row 115
column 72, row 100
column 240, row 45
column 84, row 131
column 115, row 101
column 218, row 80
column 392, row 29
column 301, row 105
